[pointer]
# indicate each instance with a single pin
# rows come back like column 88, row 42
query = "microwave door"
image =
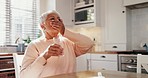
column 83, row 16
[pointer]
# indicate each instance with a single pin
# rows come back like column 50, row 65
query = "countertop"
column 122, row 52
column 105, row 73
column 102, row 52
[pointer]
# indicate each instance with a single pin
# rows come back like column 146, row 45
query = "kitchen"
column 114, row 29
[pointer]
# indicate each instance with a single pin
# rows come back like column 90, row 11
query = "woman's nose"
column 57, row 21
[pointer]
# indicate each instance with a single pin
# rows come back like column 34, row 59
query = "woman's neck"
column 48, row 36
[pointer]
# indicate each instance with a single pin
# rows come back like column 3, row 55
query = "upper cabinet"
column 133, row 2
column 86, row 12
column 64, row 7
column 113, row 19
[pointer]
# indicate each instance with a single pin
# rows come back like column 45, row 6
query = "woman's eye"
column 60, row 20
column 52, row 19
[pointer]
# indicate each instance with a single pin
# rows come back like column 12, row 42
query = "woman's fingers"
column 55, row 50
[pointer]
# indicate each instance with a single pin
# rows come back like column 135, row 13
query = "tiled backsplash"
column 137, row 26
column 93, row 32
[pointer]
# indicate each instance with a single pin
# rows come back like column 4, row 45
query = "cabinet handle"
column 114, row 47
column 103, row 68
column 123, row 11
column 103, row 57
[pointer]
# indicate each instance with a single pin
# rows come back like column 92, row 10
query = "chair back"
column 17, row 64
column 142, row 62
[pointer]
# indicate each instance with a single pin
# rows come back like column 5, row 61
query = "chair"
column 142, row 62
column 17, row 64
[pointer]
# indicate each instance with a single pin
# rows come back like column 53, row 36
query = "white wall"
column 43, row 6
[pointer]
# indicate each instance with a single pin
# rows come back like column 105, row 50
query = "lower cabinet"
column 6, row 66
column 103, row 61
column 81, row 62
column 94, row 61
column 7, row 74
column 104, row 65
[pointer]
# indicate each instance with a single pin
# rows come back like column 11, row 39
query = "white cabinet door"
column 64, row 7
column 114, row 22
column 103, row 61
column 132, row 2
column 105, row 65
column 81, row 63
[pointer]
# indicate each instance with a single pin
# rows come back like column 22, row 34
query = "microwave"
column 84, row 15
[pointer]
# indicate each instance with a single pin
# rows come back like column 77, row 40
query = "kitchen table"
column 106, row 73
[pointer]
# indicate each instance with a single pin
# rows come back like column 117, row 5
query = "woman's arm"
column 82, row 43
column 33, row 63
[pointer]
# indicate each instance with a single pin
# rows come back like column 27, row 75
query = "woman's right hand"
column 53, row 50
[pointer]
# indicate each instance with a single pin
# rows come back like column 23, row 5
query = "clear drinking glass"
column 59, row 40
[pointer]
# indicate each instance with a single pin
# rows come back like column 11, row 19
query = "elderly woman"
column 43, row 57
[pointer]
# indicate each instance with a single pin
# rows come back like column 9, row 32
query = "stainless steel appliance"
column 84, row 15
column 128, row 63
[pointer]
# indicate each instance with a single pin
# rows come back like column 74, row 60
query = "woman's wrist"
column 46, row 55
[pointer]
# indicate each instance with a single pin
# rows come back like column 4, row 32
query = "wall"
column 137, row 28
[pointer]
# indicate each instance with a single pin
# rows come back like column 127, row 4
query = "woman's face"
column 52, row 25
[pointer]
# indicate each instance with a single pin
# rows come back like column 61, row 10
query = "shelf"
column 83, row 6
column 84, row 22
column 8, row 69
column 6, row 57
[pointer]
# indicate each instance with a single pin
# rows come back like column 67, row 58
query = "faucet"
column 16, row 41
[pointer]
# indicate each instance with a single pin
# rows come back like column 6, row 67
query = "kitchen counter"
column 105, row 73
column 122, row 52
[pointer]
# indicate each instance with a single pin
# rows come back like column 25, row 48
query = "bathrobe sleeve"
column 81, row 42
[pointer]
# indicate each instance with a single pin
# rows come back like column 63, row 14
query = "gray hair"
column 43, row 17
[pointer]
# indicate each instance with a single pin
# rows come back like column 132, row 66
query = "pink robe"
column 35, row 66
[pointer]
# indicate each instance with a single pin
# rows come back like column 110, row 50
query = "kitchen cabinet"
column 113, row 21
column 86, row 13
column 64, row 7
column 6, row 66
column 82, row 63
column 103, row 61
column 133, row 2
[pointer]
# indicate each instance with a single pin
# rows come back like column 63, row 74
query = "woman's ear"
column 42, row 26
column 61, row 20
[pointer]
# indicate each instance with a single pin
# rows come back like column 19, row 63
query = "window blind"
column 18, row 20
column 2, row 21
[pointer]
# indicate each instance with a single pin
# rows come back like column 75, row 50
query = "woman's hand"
column 59, row 25
column 53, row 50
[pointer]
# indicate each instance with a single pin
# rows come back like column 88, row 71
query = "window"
column 18, row 19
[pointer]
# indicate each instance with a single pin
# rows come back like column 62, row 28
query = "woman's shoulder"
column 37, row 41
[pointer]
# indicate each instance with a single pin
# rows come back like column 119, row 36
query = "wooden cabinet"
column 103, row 61
column 113, row 21
column 64, row 7
column 133, row 2
column 6, row 66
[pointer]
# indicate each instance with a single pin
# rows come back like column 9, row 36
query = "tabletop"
column 105, row 73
